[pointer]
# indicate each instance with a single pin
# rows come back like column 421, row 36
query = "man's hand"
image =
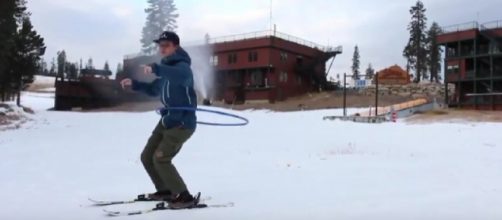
column 126, row 83
column 147, row 70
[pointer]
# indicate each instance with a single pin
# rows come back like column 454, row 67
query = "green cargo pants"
column 162, row 147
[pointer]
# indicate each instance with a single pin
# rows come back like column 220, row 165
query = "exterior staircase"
column 492, row 32
column 311, row 70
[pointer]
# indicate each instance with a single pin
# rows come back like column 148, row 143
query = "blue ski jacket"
column 175, row 86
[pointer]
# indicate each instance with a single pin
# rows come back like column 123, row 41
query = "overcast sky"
column 110, row 29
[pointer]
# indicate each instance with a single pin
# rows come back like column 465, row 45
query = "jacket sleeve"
column 151, row 89
column 178, row 73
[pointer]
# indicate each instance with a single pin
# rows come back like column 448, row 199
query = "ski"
column 162, row 206
column 108, row 203
column 140, row 198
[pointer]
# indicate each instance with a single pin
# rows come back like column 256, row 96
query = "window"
column 213, row 60
column 453, row 68
column 451, row 52
column 257, row 78
column 299, row 60
column 253, row 56
column 284, row 56
column 283, row 77
column 232, row 58
column 235, row 78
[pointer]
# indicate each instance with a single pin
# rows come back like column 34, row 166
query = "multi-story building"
column 268, row 66
column 260, row 66
column 473, row 64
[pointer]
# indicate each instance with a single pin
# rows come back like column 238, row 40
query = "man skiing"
column 174, row 85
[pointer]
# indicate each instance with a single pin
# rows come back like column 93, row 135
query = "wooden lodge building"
column 265, row 66
column 268, row 66
column 474, row 64
column 394, row 75
column 261, row 66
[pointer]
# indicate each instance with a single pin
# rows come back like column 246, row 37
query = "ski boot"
column 183, row 200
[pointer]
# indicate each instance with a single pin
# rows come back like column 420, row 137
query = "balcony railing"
column 472, row 25
column 470, row 74
column 460, row 27
column 491, row 25
column 267, row 34
column 135, row 55
column 255, row 35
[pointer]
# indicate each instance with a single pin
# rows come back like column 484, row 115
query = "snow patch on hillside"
column 44, row 84
column 12, row 116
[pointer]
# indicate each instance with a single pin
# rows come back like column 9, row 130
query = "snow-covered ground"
column 282, row 166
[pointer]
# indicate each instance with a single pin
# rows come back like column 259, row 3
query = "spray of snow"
column 203, row 70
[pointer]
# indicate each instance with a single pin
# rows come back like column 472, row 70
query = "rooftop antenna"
column 271, row 14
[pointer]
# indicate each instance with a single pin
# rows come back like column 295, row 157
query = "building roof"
column 473, row 25
column 257, row 35
column 96, row 72
column 277, row 34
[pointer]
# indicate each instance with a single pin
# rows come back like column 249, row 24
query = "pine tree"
column 20, row 48
column 80, row 66
column 61, row 65
column 356, row 63
column 370, row 72
column 29, row 48
column 42, row 68
column 52, row 70
column 416, row 50
column 435, row 51
column 107, row 66
column 8, row 26
column 90, row 64
column 71, row 71
column 120, row 69
column 161, row 16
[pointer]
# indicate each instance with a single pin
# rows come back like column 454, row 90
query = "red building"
column 92, row 89
column 474, row 64
column 261, row 66
column 268, row 66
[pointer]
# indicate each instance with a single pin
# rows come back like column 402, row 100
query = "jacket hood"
column 179, row 56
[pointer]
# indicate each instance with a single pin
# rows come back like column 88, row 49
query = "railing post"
column 376, row 95
column 345, row 94
column 446, row 93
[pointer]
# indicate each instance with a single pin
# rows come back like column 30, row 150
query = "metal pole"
column 345, row 94
column 271, row 16
column 376, row 95
column 446, row 95
column 492, row 81
column 476, row 74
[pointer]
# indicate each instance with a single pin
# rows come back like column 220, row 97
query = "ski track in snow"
column 281, row 166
